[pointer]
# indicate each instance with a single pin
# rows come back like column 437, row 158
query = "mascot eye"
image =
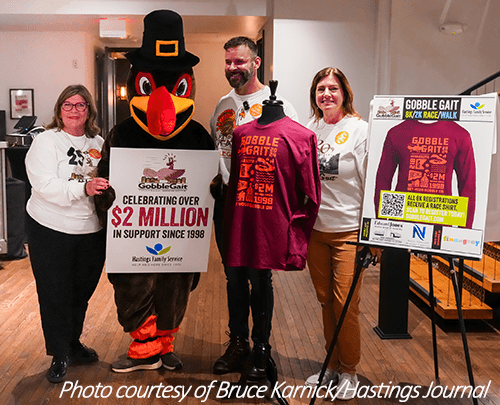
column 183, row 86
column 144, row 84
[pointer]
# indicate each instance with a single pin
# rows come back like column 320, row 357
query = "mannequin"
column 268, row 219
column 272, row 109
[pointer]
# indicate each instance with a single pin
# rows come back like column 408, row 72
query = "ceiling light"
column 113, row 28
column 452, row 28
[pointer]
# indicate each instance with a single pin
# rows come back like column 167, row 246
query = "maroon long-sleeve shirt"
column 273, row 196
column 427, row 156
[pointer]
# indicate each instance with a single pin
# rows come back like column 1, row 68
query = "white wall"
column 43, row 61
column 336, row 33
column 426, row 61
column 211, row 84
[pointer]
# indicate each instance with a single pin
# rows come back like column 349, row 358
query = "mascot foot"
column 129, row 364
column 171, row 361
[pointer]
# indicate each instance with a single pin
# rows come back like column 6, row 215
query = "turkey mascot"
column 160, row 90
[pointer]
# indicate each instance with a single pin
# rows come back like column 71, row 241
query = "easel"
column 363, row 260
column 457, row 287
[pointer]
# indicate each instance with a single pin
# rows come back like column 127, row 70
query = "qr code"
column 392, row 205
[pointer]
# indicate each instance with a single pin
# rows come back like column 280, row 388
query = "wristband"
column 85, row 188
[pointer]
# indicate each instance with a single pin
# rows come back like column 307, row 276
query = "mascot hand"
column 103, row 203
column 216, row 186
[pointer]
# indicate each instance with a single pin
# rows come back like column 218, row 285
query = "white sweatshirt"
column 58, row 166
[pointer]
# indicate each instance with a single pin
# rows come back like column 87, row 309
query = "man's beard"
column 240, row 79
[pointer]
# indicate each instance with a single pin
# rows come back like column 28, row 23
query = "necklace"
column 77, row 145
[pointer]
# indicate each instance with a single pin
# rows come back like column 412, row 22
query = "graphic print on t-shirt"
column 328, row 158
column 226, row 122
column 427, row 164
column 85, row 163
column 257, row 156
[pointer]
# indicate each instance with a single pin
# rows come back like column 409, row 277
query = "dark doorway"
column 112, row 103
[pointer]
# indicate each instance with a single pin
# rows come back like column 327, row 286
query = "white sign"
column 428, row 173
column 161, row 219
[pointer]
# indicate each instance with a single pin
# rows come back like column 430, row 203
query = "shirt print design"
column 428, row 157
column 257, row 155
column 328, row 160
column 85, row 163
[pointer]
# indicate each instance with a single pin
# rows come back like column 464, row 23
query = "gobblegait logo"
column 389, row 110
column 165, row 179
column 158, row 249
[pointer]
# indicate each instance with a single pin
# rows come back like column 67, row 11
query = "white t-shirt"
column 58, row 165
column 342, row 157
column 232, row 111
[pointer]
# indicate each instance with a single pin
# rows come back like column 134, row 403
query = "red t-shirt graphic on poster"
column 426, row 156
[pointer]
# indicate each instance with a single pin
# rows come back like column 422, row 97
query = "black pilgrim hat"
column 163, row 45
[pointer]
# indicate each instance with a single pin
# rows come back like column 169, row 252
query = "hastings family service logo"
column 158, row 249
column 158, row 257
column 166, row 178
column 478, row 109
column 477, row 106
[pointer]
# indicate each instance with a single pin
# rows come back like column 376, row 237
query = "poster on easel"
column 161, row 218
column 428, row 173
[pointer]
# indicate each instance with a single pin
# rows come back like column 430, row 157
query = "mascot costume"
column 160, row 91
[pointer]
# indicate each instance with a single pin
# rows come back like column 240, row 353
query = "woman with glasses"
column 66, row 243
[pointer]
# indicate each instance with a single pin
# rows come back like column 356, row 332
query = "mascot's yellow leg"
column 146, row 343
column 166, row 337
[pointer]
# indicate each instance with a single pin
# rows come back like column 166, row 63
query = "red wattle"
column 161, row 112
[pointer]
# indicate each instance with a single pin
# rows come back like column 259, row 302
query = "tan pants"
column 332, row 265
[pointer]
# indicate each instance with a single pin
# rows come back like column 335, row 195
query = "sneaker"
column 236, row 352
column 79, row 353
column 329, row 376
column 129, row 364
column 346, row 388
column 171, row 361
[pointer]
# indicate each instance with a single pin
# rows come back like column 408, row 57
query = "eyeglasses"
column 79, row 106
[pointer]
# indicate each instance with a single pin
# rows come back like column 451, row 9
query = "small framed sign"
column 21, row 103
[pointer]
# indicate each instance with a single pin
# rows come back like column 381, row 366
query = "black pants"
column 240, row 298
column 246, row 288
column 67, row 269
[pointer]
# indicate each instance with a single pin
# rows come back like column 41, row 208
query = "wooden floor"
column 297, row 342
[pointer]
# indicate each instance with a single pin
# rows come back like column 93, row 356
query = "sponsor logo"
column 419, row 232
column 477, row 106
column 462, row 241
column 158, row 249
